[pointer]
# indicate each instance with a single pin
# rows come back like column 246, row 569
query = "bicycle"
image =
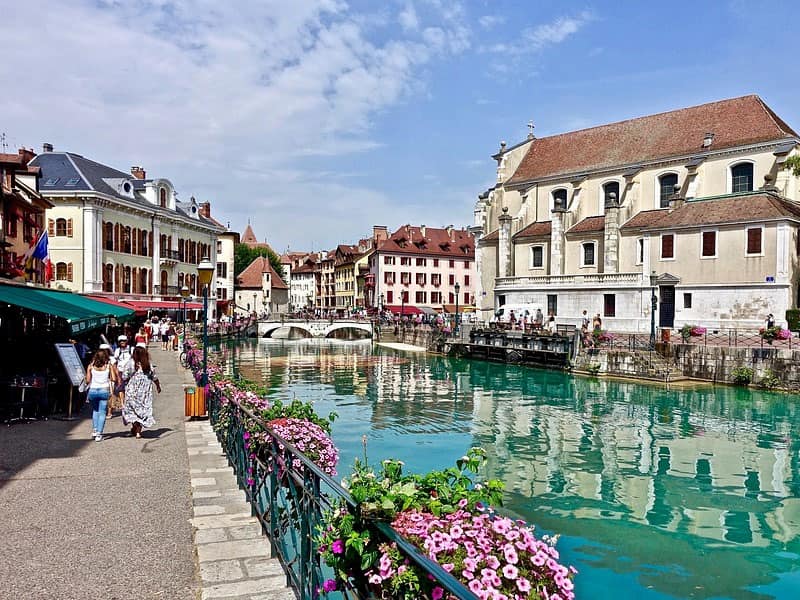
column 184, row 356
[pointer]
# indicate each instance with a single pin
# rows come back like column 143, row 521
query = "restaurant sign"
column 87, row 324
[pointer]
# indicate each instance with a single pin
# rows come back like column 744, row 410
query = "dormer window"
column 126, row 187
column 742, row 177
column 162, row 197
column 611, row 194
column 560, row 199
column 666, row 187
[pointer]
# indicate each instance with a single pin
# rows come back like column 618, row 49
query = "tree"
column 793, row 164
column 243, row 255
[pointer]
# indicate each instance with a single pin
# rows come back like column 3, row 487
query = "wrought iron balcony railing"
column 289, row 495
column 166, row 290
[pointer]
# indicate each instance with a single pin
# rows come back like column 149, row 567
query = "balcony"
column 169, row 256
column 594, row 280
column 166, row 290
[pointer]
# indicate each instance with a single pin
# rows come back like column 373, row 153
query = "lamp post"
column 458, row 289
column 205, row 271
column 184, row 296
column 653, row 304
column 402, row 307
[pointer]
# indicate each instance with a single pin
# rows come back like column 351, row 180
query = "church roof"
column 733, row 122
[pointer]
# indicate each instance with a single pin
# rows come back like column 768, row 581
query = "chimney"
column 204, row 208
column 27, row 155
column 422, row 230
column 138, row 172
column 380, row 233
column 708, row 139
column 769, row 183
column 502, row 146
column 47, row 147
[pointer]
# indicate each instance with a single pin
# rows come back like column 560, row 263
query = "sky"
column 314, row 120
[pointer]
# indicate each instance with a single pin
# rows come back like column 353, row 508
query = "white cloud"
column 490, row 21
column 408, row 18
column 555, row 32
column 238, row 103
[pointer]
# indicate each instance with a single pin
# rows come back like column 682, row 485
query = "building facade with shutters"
column 421, row 269
column 697, row 201
column 122, row 234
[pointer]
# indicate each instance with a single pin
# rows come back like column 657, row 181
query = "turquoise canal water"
column 690, row 492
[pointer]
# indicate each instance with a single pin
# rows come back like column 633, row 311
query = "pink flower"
column 510, row 572
column 329, row 585
column 337, row 547
column 437, row 593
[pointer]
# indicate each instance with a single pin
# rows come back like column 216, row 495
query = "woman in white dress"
column 138, row 409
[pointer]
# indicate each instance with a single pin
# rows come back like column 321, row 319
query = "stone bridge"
column 317, row 329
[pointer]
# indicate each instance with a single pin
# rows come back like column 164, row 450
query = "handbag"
column 83, row 386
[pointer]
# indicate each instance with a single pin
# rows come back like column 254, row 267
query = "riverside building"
column 692, row 206
column 123, row 234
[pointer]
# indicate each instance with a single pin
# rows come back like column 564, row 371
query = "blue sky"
column 315, row 119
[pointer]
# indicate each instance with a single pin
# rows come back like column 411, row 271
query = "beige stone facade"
column 576, row 220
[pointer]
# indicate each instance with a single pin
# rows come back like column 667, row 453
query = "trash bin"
column 194, row 401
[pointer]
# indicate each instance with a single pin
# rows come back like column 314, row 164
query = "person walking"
column 138, row 409
column 99, row 377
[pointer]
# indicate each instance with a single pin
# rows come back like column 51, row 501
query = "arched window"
column 126, row 240
column 108, row 278
column 61, row 227
column 162, row 193
column 163, row 289
column 126, row 280
column 666, row 187
column 143, row 277
column 611, row 194
column 560, row 199
column 741, row 178
column 61, row 271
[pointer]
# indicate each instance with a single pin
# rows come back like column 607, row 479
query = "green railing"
column 289, row 494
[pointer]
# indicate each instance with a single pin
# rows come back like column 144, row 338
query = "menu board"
column 72, row 362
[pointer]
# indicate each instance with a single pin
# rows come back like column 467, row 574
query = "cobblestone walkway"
column 232, row 553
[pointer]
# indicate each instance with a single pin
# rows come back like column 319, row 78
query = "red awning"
column 146, row 305
column 406, row 309
column 113, row 302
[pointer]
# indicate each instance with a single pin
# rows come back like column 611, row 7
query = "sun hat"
column 104, row 347
column 122, row 338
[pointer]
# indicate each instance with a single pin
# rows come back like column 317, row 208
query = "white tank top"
column 99, row 378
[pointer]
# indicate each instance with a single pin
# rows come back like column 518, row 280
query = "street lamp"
column 185, row 296
column 458, row 289
column 653, row 304
column 205, row 270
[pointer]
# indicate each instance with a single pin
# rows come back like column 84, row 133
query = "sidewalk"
column 85, row 519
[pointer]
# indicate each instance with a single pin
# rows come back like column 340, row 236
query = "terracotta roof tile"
column 251, row 276
column 456, row 243
column 734, row 122
column 493, row 236
column 536, row 229
column 589, row 225
column 740, row 208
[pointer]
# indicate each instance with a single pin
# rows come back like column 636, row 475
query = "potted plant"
column 688, row 331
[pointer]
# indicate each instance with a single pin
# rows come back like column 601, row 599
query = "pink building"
column 418, row 269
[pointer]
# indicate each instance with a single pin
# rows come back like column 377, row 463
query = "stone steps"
column 233, row 554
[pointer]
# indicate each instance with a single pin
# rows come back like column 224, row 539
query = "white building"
column 122, row 234
column 224, row 274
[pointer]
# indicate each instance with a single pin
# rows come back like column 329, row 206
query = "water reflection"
column 691, row 492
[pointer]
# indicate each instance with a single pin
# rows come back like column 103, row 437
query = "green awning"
column 80, row 312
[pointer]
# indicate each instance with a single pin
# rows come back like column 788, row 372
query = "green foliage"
column 742, row 375
column 296, row 409
column 793, row 319
column 793, row 164
column 345, row 538
column 243, row 255
column 770, row 380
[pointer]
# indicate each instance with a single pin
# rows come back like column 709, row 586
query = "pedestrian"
column 770, row 322
column 550, row 327
column 99, row 377
column 597, row 323
column 538, row 319
column 163, row 328
column 172, row 337
column 113, row 401
column 141, row 336
column 585, row 319
column 138, row 409
column 123, row 356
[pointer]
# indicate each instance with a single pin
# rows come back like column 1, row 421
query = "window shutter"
column 667, row 246
column 709, row 243
column 69, row 227
column 51, row 227
column 754, row 240
column 69, row 271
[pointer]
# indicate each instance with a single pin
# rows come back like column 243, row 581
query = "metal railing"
column 624, row 279
column 166, row 290
column 728, row 338
column 289, row 494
